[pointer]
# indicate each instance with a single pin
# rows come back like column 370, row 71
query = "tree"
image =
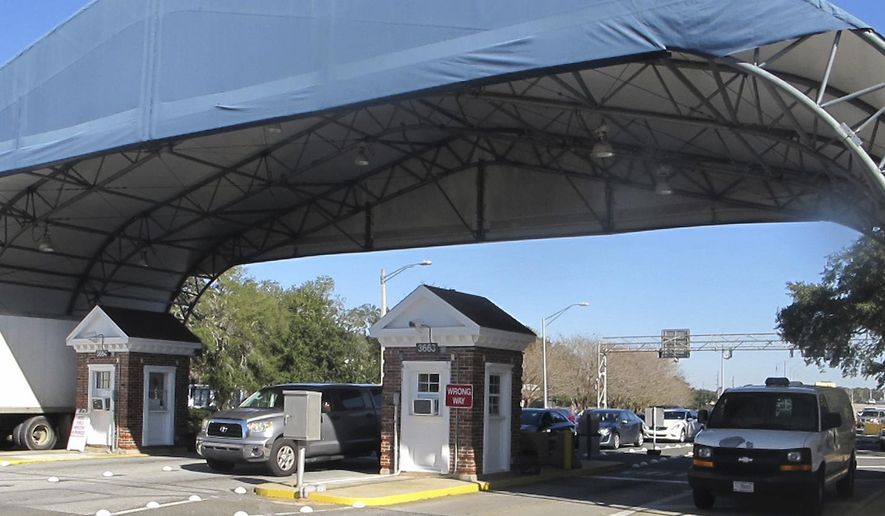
column 235, row 319
column 257, row 333
column 840, row 321
column 701, row 398
column 635, row 380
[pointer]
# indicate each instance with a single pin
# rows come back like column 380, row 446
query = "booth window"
column 156, row 391
column 101, row 380
column 428, row 382
column 494, row 394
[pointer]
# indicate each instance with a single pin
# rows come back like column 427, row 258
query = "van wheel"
column 845, row 486
column 37, row 433
column 220, row 465
column 283, row 458
column 815, row 501
column 703, row 499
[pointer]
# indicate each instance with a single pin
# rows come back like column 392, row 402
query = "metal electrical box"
column 304, row 414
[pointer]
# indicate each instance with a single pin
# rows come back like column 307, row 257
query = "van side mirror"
column 703, row 415
column 832, row 420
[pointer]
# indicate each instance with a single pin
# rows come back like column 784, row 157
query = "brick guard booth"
column 436, row 337
column 133, row 370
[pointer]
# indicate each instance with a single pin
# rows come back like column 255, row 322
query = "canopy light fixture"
column 362, row 156
column 274, row 128
column 662, row 183
column 602, row 149
column 143, row 259
column 44, row 245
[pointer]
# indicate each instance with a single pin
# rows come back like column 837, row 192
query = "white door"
column 496, row 438
column 159, row 406
column 101, row 405
column 424, row 419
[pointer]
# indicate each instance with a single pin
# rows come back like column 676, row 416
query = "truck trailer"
column 38, row 379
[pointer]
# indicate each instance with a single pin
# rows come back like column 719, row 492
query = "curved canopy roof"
column 145, row 151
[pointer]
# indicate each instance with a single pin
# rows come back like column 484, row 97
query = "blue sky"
column 728, row 279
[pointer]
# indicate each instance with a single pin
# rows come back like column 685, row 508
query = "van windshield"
column 766, row 411
column 269, row 397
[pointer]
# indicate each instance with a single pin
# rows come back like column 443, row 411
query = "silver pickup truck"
column 253, row 432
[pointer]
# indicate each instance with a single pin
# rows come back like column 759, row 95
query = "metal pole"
column 383, row 294
column 722, row 372
column 604, row 380
column 544, row 357
column 300, row 469
column 383, row 313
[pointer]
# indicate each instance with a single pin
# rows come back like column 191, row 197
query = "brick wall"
column 130, row 392
column 468, row 366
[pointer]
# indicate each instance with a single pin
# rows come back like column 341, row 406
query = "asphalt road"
column 647, row 485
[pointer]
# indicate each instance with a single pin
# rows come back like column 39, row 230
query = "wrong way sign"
column 459, row 395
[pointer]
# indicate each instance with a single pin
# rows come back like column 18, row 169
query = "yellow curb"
column 15, row 462
column 276, row 491
column 326, row 497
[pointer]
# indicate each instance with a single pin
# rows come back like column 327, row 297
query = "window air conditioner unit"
column 424, row 407
column 101, row 404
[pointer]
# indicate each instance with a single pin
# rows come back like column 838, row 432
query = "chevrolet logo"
column 745, row 460
column 223, row 429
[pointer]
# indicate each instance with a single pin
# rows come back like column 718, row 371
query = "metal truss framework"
column 737, row 139
column 725, row 343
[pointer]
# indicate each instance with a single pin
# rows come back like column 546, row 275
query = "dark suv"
column 253, row 432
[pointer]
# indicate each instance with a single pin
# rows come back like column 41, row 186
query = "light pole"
column 384, row 278
column 544, row 322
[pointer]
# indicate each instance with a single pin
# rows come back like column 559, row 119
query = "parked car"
column 253, row 432
column 617, row 427
column 678, row 425
column 544, row 420
column 870, row 415
column 782, row 438
column 568, row 413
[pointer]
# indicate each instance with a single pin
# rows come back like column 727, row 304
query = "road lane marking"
column 642, row 479
column 140, row 509
column 650, row 505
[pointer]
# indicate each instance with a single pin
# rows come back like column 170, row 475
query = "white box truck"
column 38, row 381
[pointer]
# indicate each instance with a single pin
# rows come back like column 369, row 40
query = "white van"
column 781, row 439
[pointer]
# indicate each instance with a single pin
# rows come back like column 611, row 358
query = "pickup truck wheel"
column 37, row 433
column 845, row 486
column 219, row 465
column 283, row 458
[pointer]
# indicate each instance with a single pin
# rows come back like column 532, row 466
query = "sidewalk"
column 391, row 490
column 11, row 458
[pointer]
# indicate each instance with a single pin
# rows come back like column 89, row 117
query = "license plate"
column 742, row 487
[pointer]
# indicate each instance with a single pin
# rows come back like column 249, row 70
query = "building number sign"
column 427, row 347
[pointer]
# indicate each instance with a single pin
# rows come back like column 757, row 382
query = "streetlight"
column 544, row 322
column 384, row 278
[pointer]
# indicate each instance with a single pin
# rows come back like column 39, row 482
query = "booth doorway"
column 498, row 401
column 159, row 406
column 425, row 419
column 101, row 405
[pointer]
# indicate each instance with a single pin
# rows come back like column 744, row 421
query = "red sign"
column 459, row 395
